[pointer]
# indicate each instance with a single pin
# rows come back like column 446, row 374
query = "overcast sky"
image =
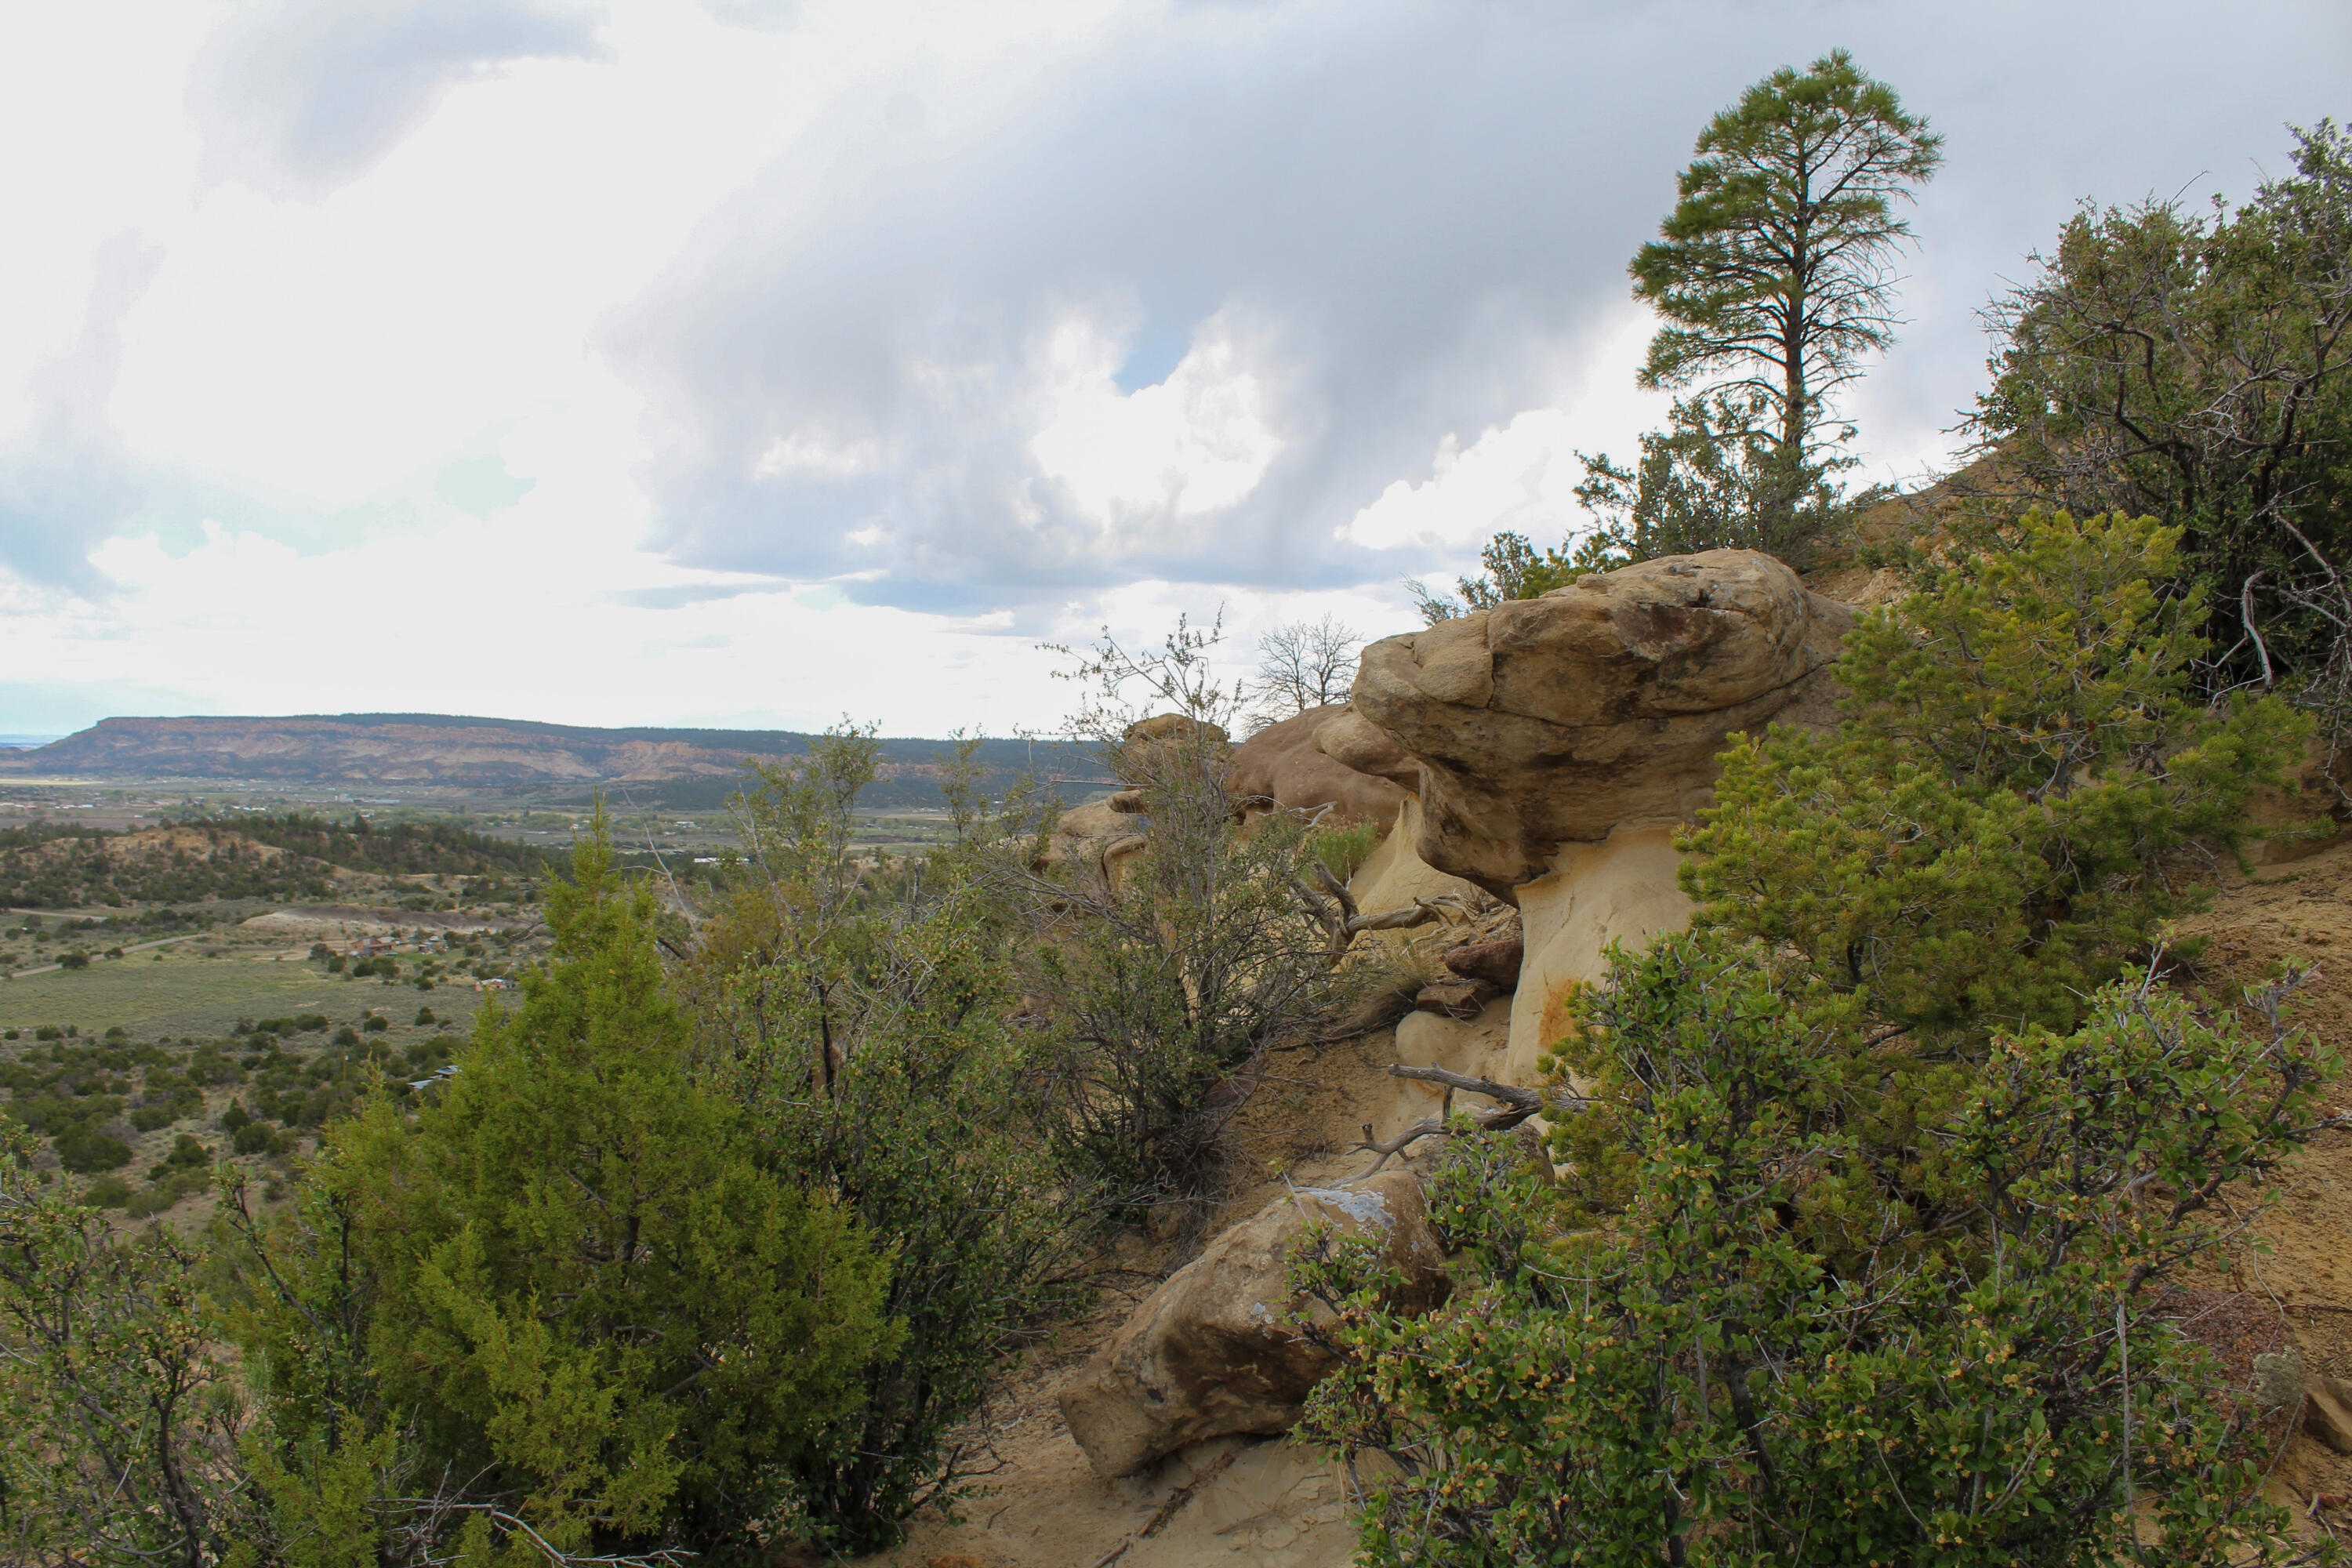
column 764, row 362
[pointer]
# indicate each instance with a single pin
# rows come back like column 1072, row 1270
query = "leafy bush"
column 602, row 1306
column 2194, row 366
column 108, row 1191
column 2021, row 791
column 82, row 1149
column 1163, row 977
column 1741, row 1332
column 252, row 1137
column 118, row 1419
column 861, row 1016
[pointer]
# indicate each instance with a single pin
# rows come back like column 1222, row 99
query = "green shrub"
column 1155, row 984
column 602, row 1308
column 251, row 1137
column 108, row 1191
column 76, row 960
column 916, row 1120
column 347, row 1036
column 148, row 1118
column 2019, row 792
column 375, row 1024
column 234, row 1119
column 164, row 1194
column 1747, row 1335
column 1342, row 850
column 83, row 1149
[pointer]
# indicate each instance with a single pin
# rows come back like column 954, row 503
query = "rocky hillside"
column 1532, row 761
column 379, row 749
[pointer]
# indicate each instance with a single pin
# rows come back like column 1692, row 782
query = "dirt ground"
column 2300, row 1252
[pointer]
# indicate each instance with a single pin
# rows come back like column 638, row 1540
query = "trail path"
column 134, row 947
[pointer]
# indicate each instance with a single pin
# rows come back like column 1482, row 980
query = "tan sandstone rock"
column 1094, row 839
column 1599, row 706
column 1283, row 764
column 1213, row 1351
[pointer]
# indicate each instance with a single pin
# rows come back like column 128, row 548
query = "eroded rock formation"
column 1213, row 1352
column 1600, row 706
column 1288, row 763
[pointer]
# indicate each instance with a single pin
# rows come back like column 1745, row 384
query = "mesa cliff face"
column 438, row 748
column 393, row 749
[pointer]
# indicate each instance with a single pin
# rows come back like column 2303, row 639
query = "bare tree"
column 1303, row 667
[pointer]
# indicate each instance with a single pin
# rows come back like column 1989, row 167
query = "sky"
column 770, row 362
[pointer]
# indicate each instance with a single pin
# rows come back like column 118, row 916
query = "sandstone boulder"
column 1285, row 764
column 1212, row 1350
column 1554, row 720
column 1495, row 960
column 1092, row 839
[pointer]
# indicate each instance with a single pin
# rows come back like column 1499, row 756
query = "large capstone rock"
column 1214, row 1351
column 1285, row 764
column 1600, row 705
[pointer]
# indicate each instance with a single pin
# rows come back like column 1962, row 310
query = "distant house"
column 497, row 982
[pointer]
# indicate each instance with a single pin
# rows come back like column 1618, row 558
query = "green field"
column 186, row 995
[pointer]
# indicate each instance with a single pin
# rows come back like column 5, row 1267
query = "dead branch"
column 1517, row 1105
column 1343, row 923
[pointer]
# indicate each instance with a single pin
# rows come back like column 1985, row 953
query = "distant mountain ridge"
column 681, row 764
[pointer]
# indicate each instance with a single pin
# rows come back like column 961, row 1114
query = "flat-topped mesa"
column 1602, row 705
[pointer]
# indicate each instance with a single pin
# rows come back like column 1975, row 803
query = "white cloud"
column 1017, row 317
column 1198, row 442
column 1521, row 475
column 304, row 94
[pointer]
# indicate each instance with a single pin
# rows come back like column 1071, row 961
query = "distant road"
column 134, row 947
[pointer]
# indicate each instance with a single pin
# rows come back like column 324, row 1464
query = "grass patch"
column 185, row 994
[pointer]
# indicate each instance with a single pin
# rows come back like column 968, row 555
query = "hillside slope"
column 1266, row 1503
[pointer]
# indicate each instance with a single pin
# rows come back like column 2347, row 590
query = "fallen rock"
column 1455, row 998
column 1495, row 960
column 2327, row 1411
column 1284, row 764
column 1212, row 1350
column 1553, row 720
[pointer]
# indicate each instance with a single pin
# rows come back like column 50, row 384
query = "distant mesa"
column 429, row 749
